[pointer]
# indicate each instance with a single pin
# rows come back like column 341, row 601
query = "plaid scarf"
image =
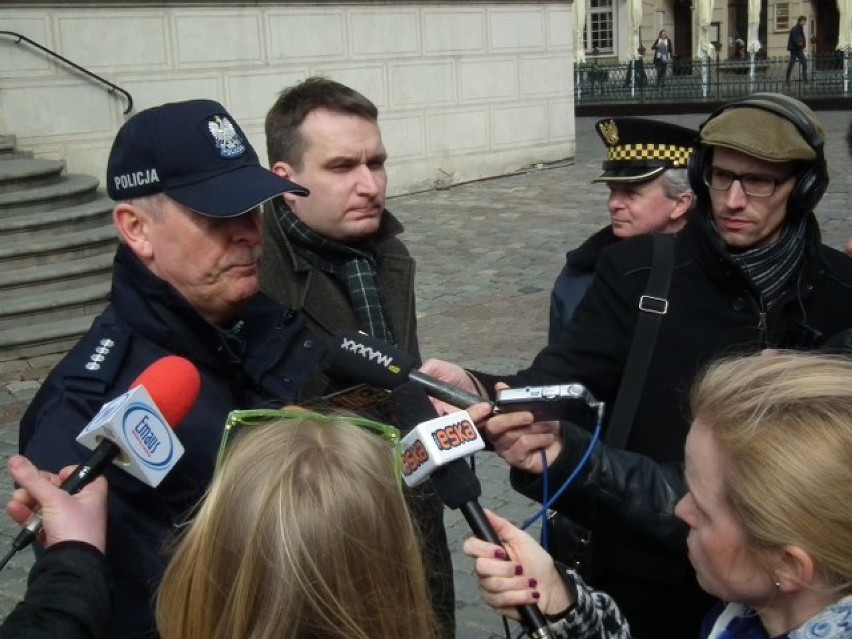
column 772, row 267
column 353, row 266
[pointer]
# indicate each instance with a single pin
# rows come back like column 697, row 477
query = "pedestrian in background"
column 796, row 44
column 662, row 55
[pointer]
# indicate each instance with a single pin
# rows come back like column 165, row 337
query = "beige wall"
column 465, row 89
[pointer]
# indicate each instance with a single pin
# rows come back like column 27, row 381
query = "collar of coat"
column 389, row 227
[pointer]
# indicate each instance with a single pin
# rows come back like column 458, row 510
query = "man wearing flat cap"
column 645, row 171
column 748, row 273
column 188, row 187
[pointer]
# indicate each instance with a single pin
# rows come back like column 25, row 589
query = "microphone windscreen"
column 174, row 384
column 360, row 358
column 410, row 406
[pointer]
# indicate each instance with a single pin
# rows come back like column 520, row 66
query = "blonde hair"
column 784, row 423
column 304, row 533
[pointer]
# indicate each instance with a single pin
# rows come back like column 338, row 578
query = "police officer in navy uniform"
column 188, row 187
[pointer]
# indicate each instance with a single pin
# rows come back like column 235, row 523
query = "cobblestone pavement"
column 487, row 254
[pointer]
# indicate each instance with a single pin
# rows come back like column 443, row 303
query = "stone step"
column 56, row 276
column 18, row 253
column 21, row 173
column 42, row 338
column 89, row 215
column 17, row 311
column 68, row 190
column 7, row 146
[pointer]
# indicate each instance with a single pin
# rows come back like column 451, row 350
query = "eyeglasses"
column 753, row 185
column 238, row 420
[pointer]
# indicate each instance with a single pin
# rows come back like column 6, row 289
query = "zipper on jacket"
column 757, row 301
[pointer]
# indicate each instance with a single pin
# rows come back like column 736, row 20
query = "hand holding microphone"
column 134, row 430
column 435, row 449
column 528, row 577
column 80, row 517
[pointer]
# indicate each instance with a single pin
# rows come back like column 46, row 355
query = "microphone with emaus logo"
column 360, row 358
column 134, row 431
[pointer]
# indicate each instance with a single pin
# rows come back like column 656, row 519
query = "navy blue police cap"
column 640, row 149
column 195, row 153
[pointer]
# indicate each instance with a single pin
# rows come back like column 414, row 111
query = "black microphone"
column 359, row 357
column 459, row 488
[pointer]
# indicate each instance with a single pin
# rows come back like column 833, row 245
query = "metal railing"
column 829, row 76
column 111, row 88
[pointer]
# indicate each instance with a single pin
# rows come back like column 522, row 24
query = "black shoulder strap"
column 652, row 306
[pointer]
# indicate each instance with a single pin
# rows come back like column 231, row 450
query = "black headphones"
column 810, row 184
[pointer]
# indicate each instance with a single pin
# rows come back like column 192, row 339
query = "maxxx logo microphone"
column 370, row 354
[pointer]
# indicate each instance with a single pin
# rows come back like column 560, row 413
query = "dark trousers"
column 661, row 72
column 798, row 54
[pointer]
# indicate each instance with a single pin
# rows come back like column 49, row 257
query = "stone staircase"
column 56, row 247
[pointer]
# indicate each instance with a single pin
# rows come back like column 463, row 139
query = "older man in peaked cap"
column 188, row 187
column 645, row 170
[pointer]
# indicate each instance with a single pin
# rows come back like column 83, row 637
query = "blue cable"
column 547, row 503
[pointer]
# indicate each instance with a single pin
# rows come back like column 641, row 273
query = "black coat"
column 713, row 310
column 67, row 596
column 263, row 361
column 574, row 280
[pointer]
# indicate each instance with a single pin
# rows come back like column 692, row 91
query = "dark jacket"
column 713, row 310
column 796, row 41
column 291, row 279
column 574, row 280
column 263, row 360
column 67, row 596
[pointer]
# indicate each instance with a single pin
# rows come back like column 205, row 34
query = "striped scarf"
column 353, row 266
column 770, row 268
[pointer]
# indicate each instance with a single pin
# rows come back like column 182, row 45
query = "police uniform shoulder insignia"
column 99, row 358
column 609, row 131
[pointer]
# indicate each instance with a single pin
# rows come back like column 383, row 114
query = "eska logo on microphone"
column 454, row 435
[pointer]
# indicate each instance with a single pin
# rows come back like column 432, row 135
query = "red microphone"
column 174, row 384
column 134, row 430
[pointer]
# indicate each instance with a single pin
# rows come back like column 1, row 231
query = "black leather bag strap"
column 652, row 306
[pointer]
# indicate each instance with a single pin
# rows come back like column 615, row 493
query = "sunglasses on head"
column 239, row 420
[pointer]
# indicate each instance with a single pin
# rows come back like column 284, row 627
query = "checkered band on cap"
column 676, row 155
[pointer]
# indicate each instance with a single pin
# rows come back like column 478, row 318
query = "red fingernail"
column 536, row 594
column 533, row 583
column 500, row 554
column 519, row 569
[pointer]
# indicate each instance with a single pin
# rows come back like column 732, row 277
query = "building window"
column 782, row 16
column 600, row 26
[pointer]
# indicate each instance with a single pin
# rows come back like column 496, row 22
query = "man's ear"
column 283, row 169
column 683, row 205
column 134, row 229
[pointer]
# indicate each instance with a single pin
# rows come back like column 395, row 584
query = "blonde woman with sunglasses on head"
column 303, row 533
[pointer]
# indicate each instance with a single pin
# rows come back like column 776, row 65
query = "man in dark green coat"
column 336, row 256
